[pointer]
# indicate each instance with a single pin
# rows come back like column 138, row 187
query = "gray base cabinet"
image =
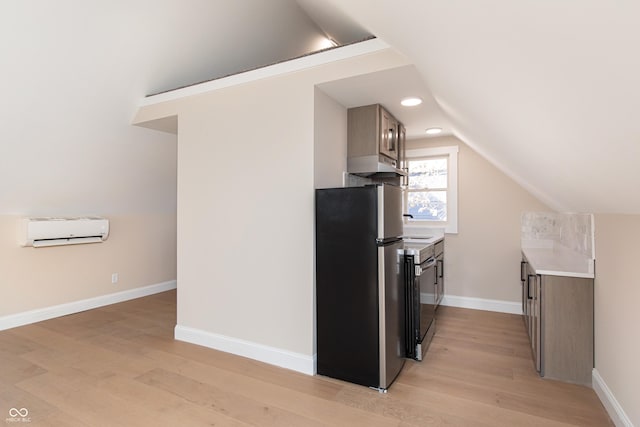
column 558, row 314
column 439, row 254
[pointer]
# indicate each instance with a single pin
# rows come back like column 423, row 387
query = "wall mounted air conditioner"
column 41, row 232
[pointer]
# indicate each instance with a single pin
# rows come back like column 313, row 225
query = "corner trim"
column 615, row 411
column 40, row 314
column 483, row 304
column 262, row 353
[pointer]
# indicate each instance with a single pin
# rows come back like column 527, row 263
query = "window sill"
column 420, row 226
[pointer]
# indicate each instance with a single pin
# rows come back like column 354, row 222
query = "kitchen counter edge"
column 559, row 262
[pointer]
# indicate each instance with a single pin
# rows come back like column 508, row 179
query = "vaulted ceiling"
column 548, row 91
column 73, row 73
column 545, row 90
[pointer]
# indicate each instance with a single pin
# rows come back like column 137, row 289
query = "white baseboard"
column 483, row 304
column 40, row 314
column 615, row 411
column 271, row 355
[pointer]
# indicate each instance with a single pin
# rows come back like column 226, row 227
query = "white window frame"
column 451, row 152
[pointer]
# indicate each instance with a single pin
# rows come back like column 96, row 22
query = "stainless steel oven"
column 420, row 297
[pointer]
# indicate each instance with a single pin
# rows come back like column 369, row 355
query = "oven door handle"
column 425, row 266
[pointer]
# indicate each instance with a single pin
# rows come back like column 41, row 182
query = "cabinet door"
column 535, row 320
column 440, row 277
column 528, row 301
column 532, row 314
column 523, row 286
column 402, row 153
column 567, row 328
column 388, row 135
column 530, row 308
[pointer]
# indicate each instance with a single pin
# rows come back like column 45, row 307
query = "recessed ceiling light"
column 434, row 131
column 411, row 102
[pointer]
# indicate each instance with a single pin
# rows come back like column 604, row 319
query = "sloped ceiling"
column 73, row 72
column 548, row 91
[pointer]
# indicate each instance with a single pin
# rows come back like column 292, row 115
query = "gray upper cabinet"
column 372, row 130
column 403, row 165
column 388, row 141
column 376, row 141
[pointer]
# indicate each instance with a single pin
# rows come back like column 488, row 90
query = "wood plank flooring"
column 119, row 366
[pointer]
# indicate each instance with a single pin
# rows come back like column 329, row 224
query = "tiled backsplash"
column 571, row 230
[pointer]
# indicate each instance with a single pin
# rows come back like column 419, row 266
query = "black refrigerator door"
column 359, row 292
column 347, row 285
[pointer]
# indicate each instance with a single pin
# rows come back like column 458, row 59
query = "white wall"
column 245, row 214
column 72, row 76
column 483, row 259
column 617, row 292
column 140, row 248
column 330, row 141
column 246, row 179
column 329, row 156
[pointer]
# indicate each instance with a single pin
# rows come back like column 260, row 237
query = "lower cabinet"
column 558, row 315
column 439, row 253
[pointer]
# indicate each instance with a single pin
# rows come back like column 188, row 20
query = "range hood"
column 374, row 165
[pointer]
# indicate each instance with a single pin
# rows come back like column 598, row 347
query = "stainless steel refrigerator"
column 359, row 284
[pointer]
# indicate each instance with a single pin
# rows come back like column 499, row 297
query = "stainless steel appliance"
column 359, row 284
column 421, row 297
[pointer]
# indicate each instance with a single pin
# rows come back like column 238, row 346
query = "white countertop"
column 422, row 236
column 557, row 260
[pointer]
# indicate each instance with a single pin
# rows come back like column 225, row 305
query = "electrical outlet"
column 114, row 278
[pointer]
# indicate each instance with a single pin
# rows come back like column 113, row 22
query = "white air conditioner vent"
column 48, row 231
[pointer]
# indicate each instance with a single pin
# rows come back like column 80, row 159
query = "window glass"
column 427, row 189
column 428, row 205
column 431, row 191
column 428, row 173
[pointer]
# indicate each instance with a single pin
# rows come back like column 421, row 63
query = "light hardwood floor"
column 119, row 366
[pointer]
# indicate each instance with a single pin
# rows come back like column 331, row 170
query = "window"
column 427, row 190
column 431, row 195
